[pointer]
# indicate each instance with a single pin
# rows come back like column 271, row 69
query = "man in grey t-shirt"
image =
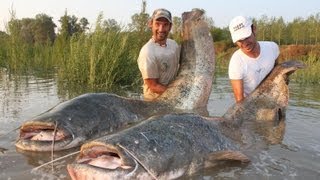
column 159, row 58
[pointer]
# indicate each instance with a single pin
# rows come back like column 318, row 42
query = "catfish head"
column 104, row 161
column 44, row 134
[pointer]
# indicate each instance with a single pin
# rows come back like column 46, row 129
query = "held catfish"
column 89, row 116
column 174, row 145
column 193, row 85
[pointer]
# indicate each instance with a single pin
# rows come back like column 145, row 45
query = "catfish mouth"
column 101, row 161
column 42, row 136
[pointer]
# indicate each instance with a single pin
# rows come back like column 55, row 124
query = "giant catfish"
column 174, row 145
column 89, row 116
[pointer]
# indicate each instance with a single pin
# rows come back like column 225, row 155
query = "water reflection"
column 305, row 95
column 23, row 96
column 45, row 164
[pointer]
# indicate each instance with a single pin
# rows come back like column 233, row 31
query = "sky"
column 221, row 11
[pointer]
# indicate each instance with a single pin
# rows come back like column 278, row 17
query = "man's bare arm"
column 237, row 86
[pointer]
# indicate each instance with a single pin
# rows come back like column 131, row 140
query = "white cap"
column 240, row 28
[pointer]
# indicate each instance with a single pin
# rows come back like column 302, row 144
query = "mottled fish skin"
column 193, row 85
column 165, row 147
column 87, row 117
column 93, row 115
column 262, row 113
column 269, row 100
column 177, row 145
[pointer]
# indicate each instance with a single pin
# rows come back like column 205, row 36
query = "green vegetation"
column 312, row 72
column 104, row 58
column 310, row 55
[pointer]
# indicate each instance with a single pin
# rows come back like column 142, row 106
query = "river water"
column 297, row 156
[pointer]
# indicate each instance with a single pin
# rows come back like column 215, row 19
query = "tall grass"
column 100, row 61
column 97, row 59
column 310, row 56
column 311, row 73
column 106, row 60
column 42, row 60
column 19, row 57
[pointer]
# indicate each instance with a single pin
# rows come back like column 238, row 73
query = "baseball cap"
column 240, row 28
column 159, row 13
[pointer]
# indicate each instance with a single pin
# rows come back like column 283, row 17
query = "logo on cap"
column 240, row 28
column 237, row 27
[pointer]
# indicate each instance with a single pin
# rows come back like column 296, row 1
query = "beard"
column 161, row 36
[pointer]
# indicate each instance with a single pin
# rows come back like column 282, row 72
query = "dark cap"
column 159, row 13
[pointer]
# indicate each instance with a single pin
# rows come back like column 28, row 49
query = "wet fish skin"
column 87, row 117
column 165, row 147
column 193, row 84
column 269, row 100
column 174, row 145
column 92, row 115
column 262, row 113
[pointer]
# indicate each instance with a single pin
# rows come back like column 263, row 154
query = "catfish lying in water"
column 164, row 147
column 85, row 117
column 90, row 116
column 174, row 145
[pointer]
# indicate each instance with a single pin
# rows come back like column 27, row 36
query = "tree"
column 139, row 25
column 140, row 20
column 278, row 27
column 177, row 28
column 33, row 30
column 111, row 25
column 84, row 24
column 43, row 29
column 26, row 31
column 297, row 30
column 70, row 25
column 219, row 34
column 14, row 27
column 262, row 27
column 65, row 30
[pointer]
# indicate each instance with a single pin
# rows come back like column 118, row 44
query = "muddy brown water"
column 297, row 156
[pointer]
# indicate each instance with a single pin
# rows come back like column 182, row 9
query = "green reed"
column 104, row 60
column 311, row 73
column 99, row 61
column 19, row 57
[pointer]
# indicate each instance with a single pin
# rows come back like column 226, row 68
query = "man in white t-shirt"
column 253, row 61
column 159, row 58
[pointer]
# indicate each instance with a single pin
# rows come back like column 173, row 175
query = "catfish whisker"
column 135, row 168
column 55, row 160
column 134, row 157
column 53, row 141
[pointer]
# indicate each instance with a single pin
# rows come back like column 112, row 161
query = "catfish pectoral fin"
column 228, row 155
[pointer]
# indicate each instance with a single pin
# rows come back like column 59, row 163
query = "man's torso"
column 253, row 70
column 158, row 62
